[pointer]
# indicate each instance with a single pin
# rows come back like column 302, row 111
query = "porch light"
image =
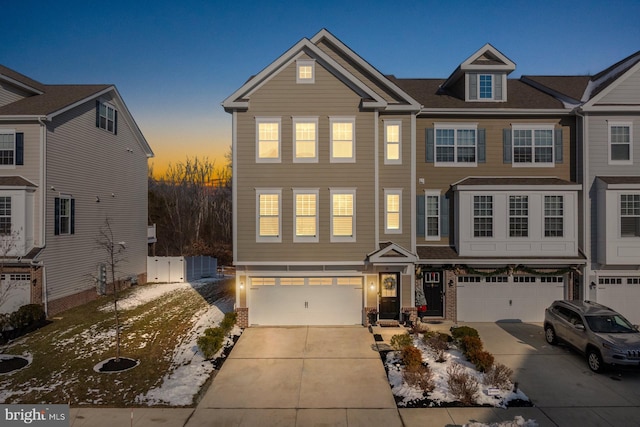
column 371, row 286
column 451, row 283
column 241, row 285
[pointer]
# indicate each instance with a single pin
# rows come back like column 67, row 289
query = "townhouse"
column 457, row 198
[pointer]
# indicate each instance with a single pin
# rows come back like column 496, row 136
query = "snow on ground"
column 441, row 393
column 518, row 421
column 144, row 294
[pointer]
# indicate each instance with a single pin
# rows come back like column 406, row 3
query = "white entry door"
column 305, row 301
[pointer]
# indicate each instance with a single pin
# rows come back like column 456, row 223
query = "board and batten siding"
column 441, row 178
column 86, row 162
column 282, row 98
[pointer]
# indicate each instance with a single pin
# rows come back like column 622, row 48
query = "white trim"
column 295, row 121
column 305, row 239
column 414, row 191
column 387, row 160
column 258, row 121
column 437, row 194
column 234, row 190
column 268, row 239
column 610, row 124
column 376, row 180
column 336, row 120
column 533, row 127
column 392, row 192
column 352, row 192
column 297, row 263
column 455, row 126
column 590, row 103
column 306, row 63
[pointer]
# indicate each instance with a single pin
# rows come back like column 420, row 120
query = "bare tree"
column 8, row 246
column 115, row 255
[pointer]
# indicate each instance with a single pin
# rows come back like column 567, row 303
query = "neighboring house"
column 356, row 191
column 71, row 156
column 608, row 117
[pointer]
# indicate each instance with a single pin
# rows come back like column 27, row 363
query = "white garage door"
column 491, row 299
column 16, row 291
column 305, row 300
column 621, row 294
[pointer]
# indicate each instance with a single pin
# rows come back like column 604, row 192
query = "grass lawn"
column 65, row 352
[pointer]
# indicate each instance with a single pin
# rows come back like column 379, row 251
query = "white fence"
column 180, row 269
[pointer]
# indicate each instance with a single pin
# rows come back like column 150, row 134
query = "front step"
column 388, row 323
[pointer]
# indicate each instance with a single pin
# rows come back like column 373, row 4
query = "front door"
column 390, row 296
column 433, row 293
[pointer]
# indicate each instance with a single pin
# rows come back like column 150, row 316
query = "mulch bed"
column 217, row 362
column 12, row 363
column 118, row 366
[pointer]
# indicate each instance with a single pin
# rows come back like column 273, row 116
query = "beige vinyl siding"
column 281, row 97
column 441, row 178
column 10, row 94
column 626, row 92
column 392, row 176
column 84, row 162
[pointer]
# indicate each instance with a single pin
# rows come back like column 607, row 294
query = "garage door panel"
column 623, row 298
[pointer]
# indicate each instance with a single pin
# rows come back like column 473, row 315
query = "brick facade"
column 243, row 317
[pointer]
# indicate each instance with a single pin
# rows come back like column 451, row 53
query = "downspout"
column 43, row 207
column 586, row 207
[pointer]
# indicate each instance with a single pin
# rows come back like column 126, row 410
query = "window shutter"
column 72, row 225
column 473, row 86
column 56, row 216
column 482, row 146
column 506, row 145
column 430, row 146
column 420, row 212
column 19, row 148
column 115, row 122
column 557, row 134
column 97, row 113
column 497, row 87
column 444, row 216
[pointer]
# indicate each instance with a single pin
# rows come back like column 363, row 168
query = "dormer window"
column 485, row 86
column 305, row 71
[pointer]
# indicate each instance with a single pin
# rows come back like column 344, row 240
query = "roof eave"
column 494, row 111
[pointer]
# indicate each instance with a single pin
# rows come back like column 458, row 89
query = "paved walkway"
column 322, row 376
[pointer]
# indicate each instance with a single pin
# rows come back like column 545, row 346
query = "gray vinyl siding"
column 9, row 94
column 84, row 161
column 625, row 92
column 281, row 97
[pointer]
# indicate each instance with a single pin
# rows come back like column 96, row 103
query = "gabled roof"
column 568, row 89
column 49, row 101
column 608, row 76
column 15, row 181
column 390, row 252
column 240, row 98
column 487, row 58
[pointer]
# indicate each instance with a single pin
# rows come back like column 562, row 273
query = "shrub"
column 228, row 322
column 399, row 342
column 438, row 343
column 420, row 376
column 482, row 359
column 463, row 331
column 462, row 385
column 211, row 342
column 411, row 356
column 26, row 316
column 419, row 328
column 470, row 344
column 499, row 376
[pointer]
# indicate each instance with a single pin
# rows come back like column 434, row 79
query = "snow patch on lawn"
column 518, row 421
column 147, row 293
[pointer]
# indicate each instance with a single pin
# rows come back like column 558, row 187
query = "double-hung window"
column 456, row 144
column 432, row 210
column 269, row 219
column 392, row 144
column 482, row 216
column 11, row 148
column 620, row 147
column 553, row 216
column 630, row 215
column 305, row 139
column 268, row 139
column 306, row 215
column 392, row 211
column 5, row 216
column 106, row 117
column 485, row 86
column 343, row 222
column 64, row 215
column 343, row 139
column 518, row 216
column 533, row 145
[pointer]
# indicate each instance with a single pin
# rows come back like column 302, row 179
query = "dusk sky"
column 175, row 62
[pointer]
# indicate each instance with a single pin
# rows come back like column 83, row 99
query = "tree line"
column 190, row 203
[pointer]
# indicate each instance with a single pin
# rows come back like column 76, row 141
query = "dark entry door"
column 434, row 293
column 390, row 296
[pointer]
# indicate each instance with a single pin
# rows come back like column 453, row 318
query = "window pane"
column 305, row 214
column 305, row 72
column 5, row 215
column 620, row 152
column 393, row 151
column 485, row 85
column 305, row 140
column 342, row 133
column 343, row 226
column 269, row 215
column 342, row 215
column 393, row 133
column 268, row 134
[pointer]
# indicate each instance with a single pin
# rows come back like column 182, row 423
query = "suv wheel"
column 550, row 335
column 595, row 360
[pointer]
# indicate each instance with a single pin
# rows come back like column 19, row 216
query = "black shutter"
column 97, row 113
column 506, row 145
column 72, row 220
column 56, row 216
column 420, row 212
column 444, row 216
column 20, row 149
column 482, row 146
column 558, row 145
column 115, row 122
column 429, row 146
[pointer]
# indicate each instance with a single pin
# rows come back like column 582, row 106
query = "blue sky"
column 174, row 62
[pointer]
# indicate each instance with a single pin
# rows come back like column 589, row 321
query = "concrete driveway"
column 300, row 376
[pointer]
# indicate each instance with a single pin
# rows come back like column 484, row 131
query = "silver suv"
column 600, row 333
